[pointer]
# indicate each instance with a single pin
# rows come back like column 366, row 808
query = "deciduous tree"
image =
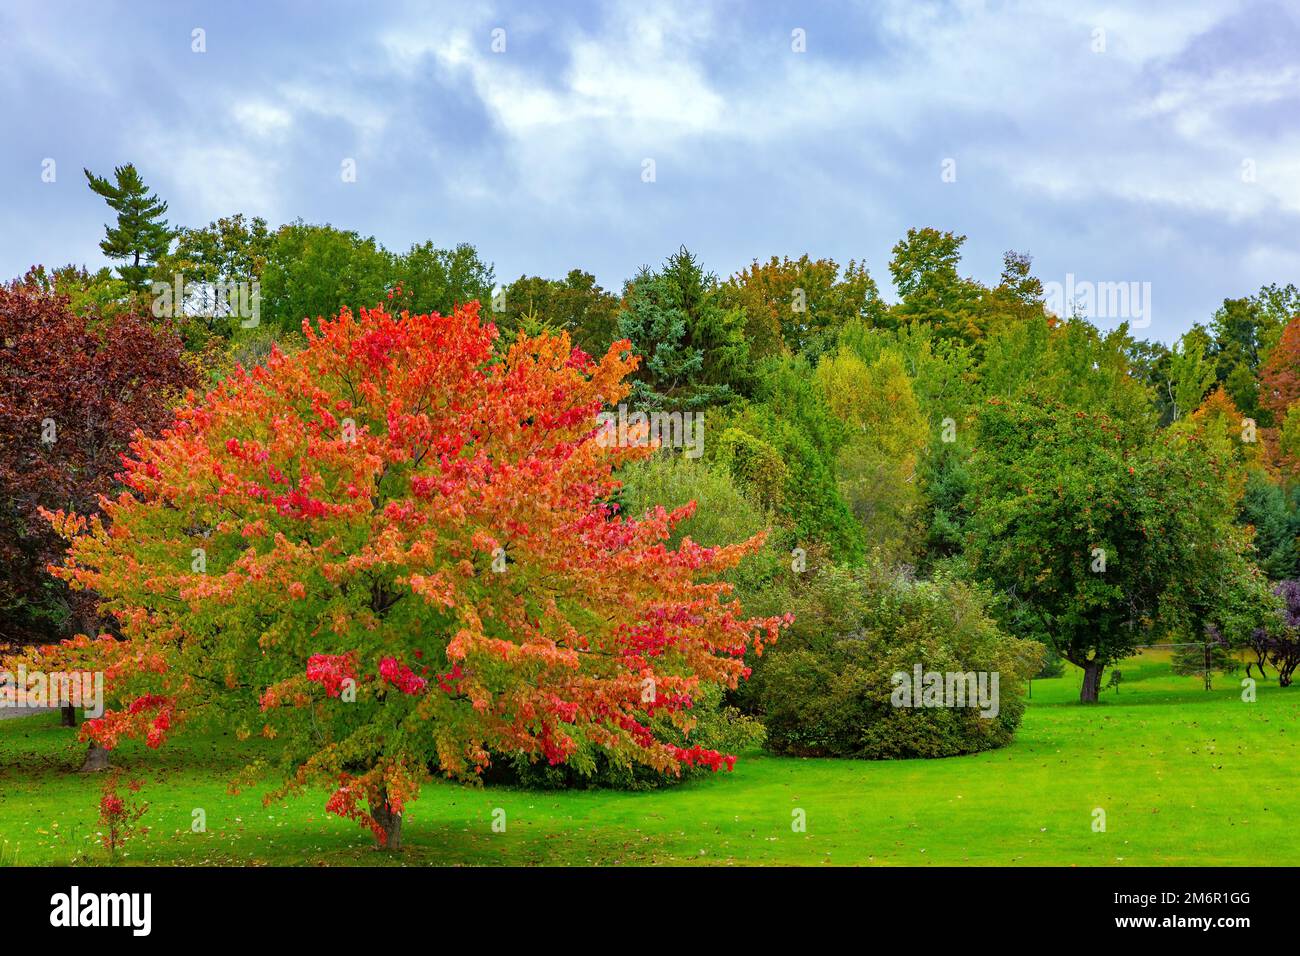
column 395, row 550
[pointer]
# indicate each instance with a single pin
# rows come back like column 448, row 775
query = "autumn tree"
column 395, row 552
column 141, row 235
column 74, row 388
column 801, row 304
column 1279, row 375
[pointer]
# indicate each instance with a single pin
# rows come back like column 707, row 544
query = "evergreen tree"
column 694, row 349
column 141, row 236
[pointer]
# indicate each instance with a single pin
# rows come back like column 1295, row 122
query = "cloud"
column 1171, row 153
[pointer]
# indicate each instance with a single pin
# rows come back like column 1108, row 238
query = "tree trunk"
column 96, row 759
column 69, row 716
column 389, row 822
column 1091, row 681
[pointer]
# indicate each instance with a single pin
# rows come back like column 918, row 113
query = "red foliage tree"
column 396, row 551
column 73, row 392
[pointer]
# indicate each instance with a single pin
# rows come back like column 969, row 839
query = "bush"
column 827, row 688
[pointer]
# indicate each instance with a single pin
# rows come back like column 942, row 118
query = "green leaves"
column 141, row 236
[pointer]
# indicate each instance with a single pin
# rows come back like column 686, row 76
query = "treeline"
column 961, row 478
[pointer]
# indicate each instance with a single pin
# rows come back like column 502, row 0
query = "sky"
column 1115, row 143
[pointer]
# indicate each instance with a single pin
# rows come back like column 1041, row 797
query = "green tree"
column 1071, row 362
column 693, row 346
column 1190, row 373
column 209, row 261
column 141, row 236
column 1095, row 537
column 1271, row 511
column 313, row 271
column 876, row 468
column 788, row 436
column 924, row 270
column 98, row 295
column 437, row 280
column 575, row 304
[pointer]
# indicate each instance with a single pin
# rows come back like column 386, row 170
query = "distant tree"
column 210, row 259
column 1018, row 296
column 1019, row 285
column 942, row 372
column 800, row 304
column 1071, row 362
column 438, row 280
column 99, row 294
column 784, row 446
column 575, row 304
column 141, row 236
column 693, row 345
column 312, row 271
column 1271, row 511
column 1190, row 373
column 924, row 270
column 876, row 468
column 1243, row 331
column 1276, row 306
column 945, row 483
column 1279, row 375
column 1148, row 363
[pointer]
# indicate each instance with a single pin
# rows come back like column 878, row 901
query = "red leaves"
column 72, row 393
column 401, row 676
column 701, row 757
column 330, row 671
column 148, row 716
column 399, row 491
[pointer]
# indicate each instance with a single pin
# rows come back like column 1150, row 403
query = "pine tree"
column 141, row 236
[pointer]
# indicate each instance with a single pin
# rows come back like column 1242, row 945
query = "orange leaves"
column 408, row 496
column 433, row 589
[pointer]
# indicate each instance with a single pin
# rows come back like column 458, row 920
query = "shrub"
column 828, row 689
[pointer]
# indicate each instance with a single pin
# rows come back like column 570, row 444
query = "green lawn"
column 1184, row 776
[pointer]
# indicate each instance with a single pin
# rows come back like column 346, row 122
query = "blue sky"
column 1170, row 155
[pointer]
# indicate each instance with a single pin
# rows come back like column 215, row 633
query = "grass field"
column 1184, row 776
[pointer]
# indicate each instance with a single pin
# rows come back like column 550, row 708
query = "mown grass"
column 1184, row 776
